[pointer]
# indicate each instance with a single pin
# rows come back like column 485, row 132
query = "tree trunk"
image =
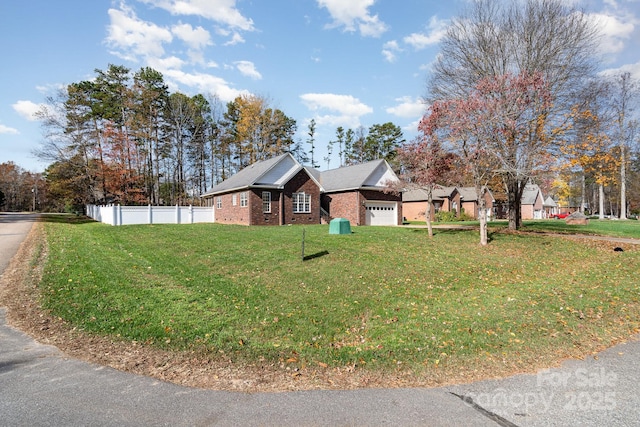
column 482, row 206
column 427, row 214
column 623, row 183
column 583, row 193
column 514, row 194
column 601, row 201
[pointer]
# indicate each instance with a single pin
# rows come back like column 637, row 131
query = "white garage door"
column 382, row 213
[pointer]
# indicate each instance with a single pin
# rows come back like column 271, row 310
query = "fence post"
column 119, row 219
column 177, row 214
column 150, row 214
column 190, row 214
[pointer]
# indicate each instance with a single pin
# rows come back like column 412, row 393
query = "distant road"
column 14, row 227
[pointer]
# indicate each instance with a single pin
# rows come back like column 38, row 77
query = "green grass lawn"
column 614, row 228
column 380, row 298
column 630, row 228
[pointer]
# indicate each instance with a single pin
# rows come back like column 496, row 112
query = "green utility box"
column 339, row 226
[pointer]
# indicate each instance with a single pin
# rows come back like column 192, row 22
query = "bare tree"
column 539, row 37
column 624, row 99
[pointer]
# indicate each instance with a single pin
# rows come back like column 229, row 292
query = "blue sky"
column 342, row 62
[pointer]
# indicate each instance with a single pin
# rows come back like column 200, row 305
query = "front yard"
column 381, row 300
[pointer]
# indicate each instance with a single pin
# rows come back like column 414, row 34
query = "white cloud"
column 220, row 11
column 347, row 108
column 27, row 109
column 162, row 64
column 412, row 128
column 615, row 31
column 633, row 69
column 354, row 15
column 196, row 38
column 248, row 68
column 205, row 83
column 133, row 38
column 436, row 30
column 408, row 107
column 389, row 50
column 235, row 39
column 618, row 22
column 50, row 88
column 7, row 130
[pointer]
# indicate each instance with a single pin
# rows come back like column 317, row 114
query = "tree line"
column 124, row 138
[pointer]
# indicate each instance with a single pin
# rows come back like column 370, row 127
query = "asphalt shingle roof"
column 248, row 176
column 339, row 179
column 349, row 177
column 530, row 194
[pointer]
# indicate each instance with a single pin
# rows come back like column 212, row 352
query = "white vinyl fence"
column 128, row 215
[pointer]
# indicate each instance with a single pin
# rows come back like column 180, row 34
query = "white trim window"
column 266, row 202
column 219, row 202
column 301, row 202
column 234, row 199
column 244, row 200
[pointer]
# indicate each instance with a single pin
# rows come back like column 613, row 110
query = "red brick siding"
column 301, row 183
column 253, row 214
column 343, row 205
column 415, row 211
column 258, row 217
column 350, row 204
column 230, row 214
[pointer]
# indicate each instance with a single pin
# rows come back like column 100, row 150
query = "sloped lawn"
column 380, row 299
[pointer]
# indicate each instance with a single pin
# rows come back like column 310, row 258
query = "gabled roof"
column 374, row 175
column 530, row 194
column 277, row 171
column 549, row 202
column 468, row 194
column 271, row 173
column 441, row 193
column 415, row 195
column 419, row 194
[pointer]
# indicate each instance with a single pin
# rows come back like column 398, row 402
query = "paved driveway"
column 40, row 386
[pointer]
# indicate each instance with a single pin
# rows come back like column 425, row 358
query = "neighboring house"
column 448, row 199
column 414, row 202
column 532, row 202
column 470, row 204
column 550, row 207
column 281, row 191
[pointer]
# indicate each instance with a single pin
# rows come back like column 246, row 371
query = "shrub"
column 444, row 216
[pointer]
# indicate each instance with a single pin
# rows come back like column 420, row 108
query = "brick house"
column 447, row 199
column 281, row 191
column 532, row 202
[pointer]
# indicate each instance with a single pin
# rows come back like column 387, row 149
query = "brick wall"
column 415, row 211
column 298, row 184
column 343, row 205
column 230, row 214
column 350, row 204
column 258, row 216
column 253, row 213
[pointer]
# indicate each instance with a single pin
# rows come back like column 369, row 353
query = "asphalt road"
column 40, row 386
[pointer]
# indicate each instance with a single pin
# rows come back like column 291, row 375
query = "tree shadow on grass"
column 316, row 255
column 65, row 218
column 437, row 231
